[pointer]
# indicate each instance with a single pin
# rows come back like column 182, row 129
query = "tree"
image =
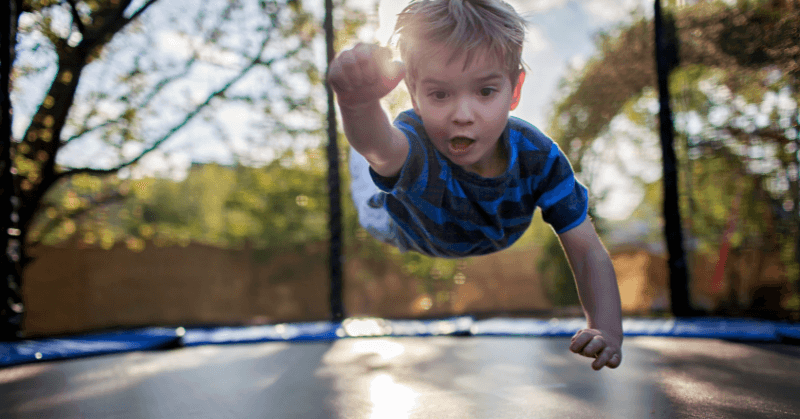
column 736, row 96
column 123, row 79
column 127, row 118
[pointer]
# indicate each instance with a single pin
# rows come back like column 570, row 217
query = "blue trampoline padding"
column 454, row 326
column 92, row 344
column 157, row 338
column 292, row 332
column 316, row 331
column 736, row 329
column 648, row 327
column 791, row 331
column 527, row 327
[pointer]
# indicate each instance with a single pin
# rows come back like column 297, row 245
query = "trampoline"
column 373, row 368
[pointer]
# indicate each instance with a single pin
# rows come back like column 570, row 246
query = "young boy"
column 456, row 176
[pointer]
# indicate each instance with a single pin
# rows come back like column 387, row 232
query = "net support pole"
column 11, row 308
column 666, row 59
column 334, row 192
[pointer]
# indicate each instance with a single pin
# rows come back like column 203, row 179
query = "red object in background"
column 719, row 271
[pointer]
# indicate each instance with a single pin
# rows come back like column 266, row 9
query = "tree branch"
column 76, row 19
column 188, row 118
column 769, row 133
column 103, row 34
column 118, row 24
column 150, row 96
column 142, row 9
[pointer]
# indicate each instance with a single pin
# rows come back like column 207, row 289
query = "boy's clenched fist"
column 364, row 74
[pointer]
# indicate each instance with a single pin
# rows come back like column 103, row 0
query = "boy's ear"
column 518, row 90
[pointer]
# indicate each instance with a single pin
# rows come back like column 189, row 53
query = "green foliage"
column 282, row 204
column 347, row 23
column 735, row 102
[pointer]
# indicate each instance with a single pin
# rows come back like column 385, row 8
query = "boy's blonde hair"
column 462, row 27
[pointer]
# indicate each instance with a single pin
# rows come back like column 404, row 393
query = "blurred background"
column 170, row 163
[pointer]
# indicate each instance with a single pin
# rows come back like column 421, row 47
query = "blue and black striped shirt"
column 443, row 210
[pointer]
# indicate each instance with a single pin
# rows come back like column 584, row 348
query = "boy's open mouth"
column 460, row 144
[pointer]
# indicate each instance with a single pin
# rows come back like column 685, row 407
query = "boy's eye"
column 487, row 91
column 439, row 95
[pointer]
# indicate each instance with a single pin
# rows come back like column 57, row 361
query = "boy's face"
column 465, row 110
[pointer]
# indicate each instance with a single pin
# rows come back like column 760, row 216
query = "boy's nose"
column 463, row 113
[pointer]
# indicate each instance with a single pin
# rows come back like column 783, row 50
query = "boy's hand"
column 364, row 74
column 594, row 343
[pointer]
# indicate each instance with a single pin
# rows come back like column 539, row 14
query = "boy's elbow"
column 387, row 168
column 388, row 161
column 386, row 171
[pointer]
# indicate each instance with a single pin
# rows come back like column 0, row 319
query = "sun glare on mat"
column 391, row 400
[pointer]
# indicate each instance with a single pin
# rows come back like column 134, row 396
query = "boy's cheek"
column 437, row 134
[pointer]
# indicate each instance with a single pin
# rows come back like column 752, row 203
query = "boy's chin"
column 464, row 162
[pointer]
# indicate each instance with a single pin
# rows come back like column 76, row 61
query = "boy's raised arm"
column 361, row 77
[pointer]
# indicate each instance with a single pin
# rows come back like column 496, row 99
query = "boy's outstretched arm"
column 599, row 295
column 360, row 77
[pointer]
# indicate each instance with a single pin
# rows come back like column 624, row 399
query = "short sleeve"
column 564, row 201
column 415, row 167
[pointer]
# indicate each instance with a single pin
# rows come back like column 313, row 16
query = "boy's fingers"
column 365, row 72
column 580, row 340
column 352, row 69
column 368, row 64
column 373, row 62
column 369, row 71
column 604, row 358
column 337, row 75
column 615, row 360
column 594, row 347
column 594, row 344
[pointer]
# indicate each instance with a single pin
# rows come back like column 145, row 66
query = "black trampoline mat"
column 414, row 377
